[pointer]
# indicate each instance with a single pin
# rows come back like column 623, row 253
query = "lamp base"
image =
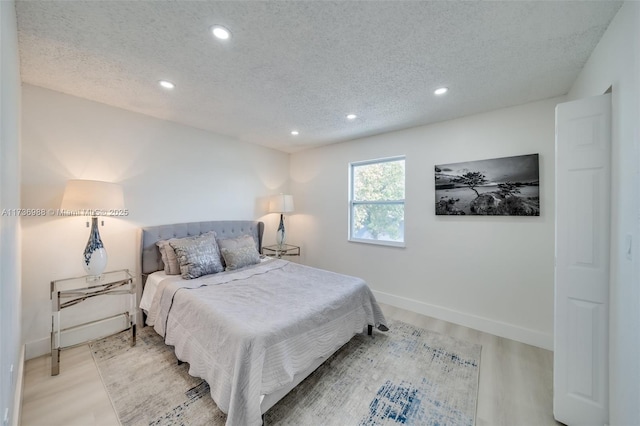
column 95, row 255
column 280, row 234
column 97, row 263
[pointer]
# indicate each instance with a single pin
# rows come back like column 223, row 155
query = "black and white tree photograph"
column 508, row 186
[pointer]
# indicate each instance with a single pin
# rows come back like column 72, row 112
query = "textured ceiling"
column 304, row 65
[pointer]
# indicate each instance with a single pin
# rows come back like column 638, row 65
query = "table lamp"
column 282, row 204
column 92, row 198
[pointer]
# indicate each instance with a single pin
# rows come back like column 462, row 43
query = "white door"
column 581, row 329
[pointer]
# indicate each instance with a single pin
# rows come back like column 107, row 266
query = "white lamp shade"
column 92, row 196
column 281, row 203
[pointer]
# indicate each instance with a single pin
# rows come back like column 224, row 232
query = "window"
column 376, row 201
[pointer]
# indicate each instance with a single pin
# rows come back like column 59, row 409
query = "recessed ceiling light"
column 295, row 133
column 441, row 91
column 221, row 32
column 166, row 84
column 351, row 116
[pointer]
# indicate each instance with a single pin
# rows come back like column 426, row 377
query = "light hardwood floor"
column 515, row 382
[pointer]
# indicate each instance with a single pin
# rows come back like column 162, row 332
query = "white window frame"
column 353, row 203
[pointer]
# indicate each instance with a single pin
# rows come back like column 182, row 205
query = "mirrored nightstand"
column 70, row 292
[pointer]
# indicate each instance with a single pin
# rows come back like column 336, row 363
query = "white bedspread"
column 150, row 288
column 248, row 332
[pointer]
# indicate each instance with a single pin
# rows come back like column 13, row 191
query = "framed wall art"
column 508, row 186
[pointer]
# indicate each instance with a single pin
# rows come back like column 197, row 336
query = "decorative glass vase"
column 280, row 234
column 95, row 255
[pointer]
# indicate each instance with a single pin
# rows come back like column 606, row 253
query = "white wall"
column 615, row 62
column 10, row 294
column 491, row 273
column 170, row 173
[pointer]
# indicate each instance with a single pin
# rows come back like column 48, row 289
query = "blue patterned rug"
column 407, row 376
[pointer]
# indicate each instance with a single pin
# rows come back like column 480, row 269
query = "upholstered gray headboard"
column 150, row 260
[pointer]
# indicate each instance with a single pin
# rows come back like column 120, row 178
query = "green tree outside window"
column 378, row 191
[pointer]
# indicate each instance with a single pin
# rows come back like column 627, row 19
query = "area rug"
column 406, row 376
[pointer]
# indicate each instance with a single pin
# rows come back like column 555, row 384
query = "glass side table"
column 69, row 292
column 281, row 250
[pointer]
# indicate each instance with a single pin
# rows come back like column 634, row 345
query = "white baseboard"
column 37, row 348
column 497, row 328
column 17, row 396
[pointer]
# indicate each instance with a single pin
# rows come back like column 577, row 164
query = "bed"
column 255, row 330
